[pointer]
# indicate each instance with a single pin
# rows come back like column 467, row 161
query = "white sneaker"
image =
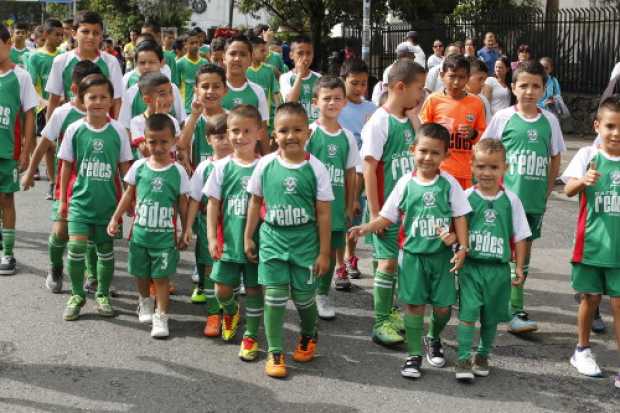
column 585, row 363
column 325, row 307
column 160, row 325
column 146, row 308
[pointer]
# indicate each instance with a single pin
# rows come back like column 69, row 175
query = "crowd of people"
column 272, row 175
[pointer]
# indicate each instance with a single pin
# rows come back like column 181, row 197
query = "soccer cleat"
column 341, row 281
column 198, row 296
column 160, row 325
column 325, row 307
column 412, row 369
column 351, row 265
column 521, row 324
column 463, row 370
column 213, row 326
column 598, row 325
column 480, row 366
column 73, row 307
column 434, row 352
column 585, row 363
column 229, row 325
column 90, row 285
column 146, row 308
column 249, row 349
column 53, row 281
column 304, row 352
column 386, row 335
column 104, row 308
column 8, row 265
column 397, row 320
column 275, row 366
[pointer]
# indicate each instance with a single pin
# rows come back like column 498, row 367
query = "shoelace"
column 228, row 322
column 277, row 359
column 248, row 343
column 353, row 262
column 437, row 349
column 303, row 343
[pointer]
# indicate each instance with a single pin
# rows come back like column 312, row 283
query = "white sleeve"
column 185, row 185
column 431, row 79
column 66, row 147
column 458, row 199
column 391, row 207
column 495, row 127
column 616, row 71
column 254, row 184
column 520, row 227
column 179, row 107
column 116, row 76
column 126, row 78
column 213, row 186
column 177, row 127
column 263, row 107
column 323, row 183
column 197, row 182
column 353, row 158
column 52, row 127
column 27, row 93
column 124, row 115
column 126, row 154
column 377, row 91
column 374, row 136
column 557, row 139
column 136, row 129
column 54, row 81
column 130, row 176
column 578, row 166
column 166, row 71
column 285, row 84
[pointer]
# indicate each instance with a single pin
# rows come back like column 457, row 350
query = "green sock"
column 208, row 288
column 56, row 249
column 8, row 241
column 91, row 260
column 437, row 324
column 464, row 337
column 305, row 302
column 414, row 329
column 253, row 312
column 383, row 296
column 275, row 308
column 76, row 255
column 325, row 281
column 487, row 337
column 228, row 304
column 105, row 267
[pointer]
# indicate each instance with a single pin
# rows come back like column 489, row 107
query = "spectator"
column 552, row 87
column 523, row 55
column 433, row 80
column 489, row 53
column 501, row 95
column 470, row 47
column 130, row 48
column 412, row 40
column 437, row 56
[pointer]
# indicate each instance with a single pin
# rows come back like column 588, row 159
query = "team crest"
column 490, row 216
column 307, row 89
column 470, row 117
column 157, row 184
column 408, row 136
column 237, row 101
column 429, row 199
column 244, row 182
column 615, row 178
column 97, row 145
column 332, row 150
column 532, row 135
column 290, row 184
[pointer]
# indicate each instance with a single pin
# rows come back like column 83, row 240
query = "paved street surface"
column 113, row 365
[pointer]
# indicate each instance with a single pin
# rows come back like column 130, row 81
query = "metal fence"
column 583, row 43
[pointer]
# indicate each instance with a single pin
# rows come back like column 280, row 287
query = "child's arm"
column 185, row 140
column 39, row 152
column 300, row 72
column 376, row 225
column 65, row 176
column 462, row 236
column 577, row 185
column 213, row 217
column 52, row 103
column 182, row 203
column 192, row 212
column 520, row 254
column 123, row 206
column 372, row 190
column 350, row 188
column 554, row 172
column 29, row 139
column 123, row 168
column 324, row 222
column 250, row 228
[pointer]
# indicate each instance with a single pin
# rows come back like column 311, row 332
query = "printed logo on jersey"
column 408, row 136
column 429, row 199
column 244, row 182
column 5, row 117
column 98, row 145
column 157, row 184
column 332, row 150
column 470, row 117
column 307, row 89
column 290, row 184
column 532, row 135
column 237, row 101
column 490, row 216
column 615, row 178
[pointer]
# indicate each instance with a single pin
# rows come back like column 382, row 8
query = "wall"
column 583, row 110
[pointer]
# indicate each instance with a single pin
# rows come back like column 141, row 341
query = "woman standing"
column 500, row 94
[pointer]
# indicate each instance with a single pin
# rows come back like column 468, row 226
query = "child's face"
column 330, row 102
column 412, row 93
column 607, row 125
column 455, row 81
column 291, row 132
column 488, row 169
column 547, row 65
column 168, row 41
column 476, row 81
column 192, row 44
column 19, row 36
column 470, row 48
column 356, row 84
column 67, row 31
column 159, row 143
column 302, row 54
column 148, row 62
column 428, row 153
column 5, row 50
column 489, row 40
column 523, row 56
column 259, row 53
column 217, row 57
column 528, row 88
column 221, row 144
column 237, row 59
column 160, row 99
column 210, row 90
column 54, row 38
column 243, row 134
column 88, row 37
column 98, row 101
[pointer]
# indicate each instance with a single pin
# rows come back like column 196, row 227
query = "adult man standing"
column 412, row 40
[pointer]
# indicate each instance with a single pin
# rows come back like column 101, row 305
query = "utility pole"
column 366, row 31
column 231, row 10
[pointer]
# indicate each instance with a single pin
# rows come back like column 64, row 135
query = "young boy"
column 88, row 34
column 168, row 38
column 476, row 86
column 534, row 143
column 19, row 51
column 594, row 174
column 226, row 188
column 148, row 57
column 263, row 75
column 188, row 66
column 337, row 149
column 428, row 200
column 294, row 237
column 496, row 223
column 353, row 117
column 18, row 101
column 52, row 134
column 159, row 187
column 459, row 112
column 386, row 139
column 154, row 29
column 241, row 91
column 96, row 148
column 218, row 46
column 298, row 84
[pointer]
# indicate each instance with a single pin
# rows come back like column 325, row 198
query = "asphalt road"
column 113, row 365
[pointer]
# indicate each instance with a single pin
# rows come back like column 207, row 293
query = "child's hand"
column 591, row 176
column 458, row 260
column 465, row 131
column 250, row 250
column 24, row 161
column 357, row 232
column 519, row 277
column 27, row 181
column 321, row 265
column 197, row 107
column 187, row 236
column 448, row 238
column 215, row 249
column 62, row 209
column 112, row 227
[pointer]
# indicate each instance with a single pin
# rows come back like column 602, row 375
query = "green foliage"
column 410, row 11
column 473, row 9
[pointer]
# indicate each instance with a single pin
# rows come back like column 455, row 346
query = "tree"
column 410, row 11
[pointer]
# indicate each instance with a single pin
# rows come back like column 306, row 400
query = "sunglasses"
column 437, row 45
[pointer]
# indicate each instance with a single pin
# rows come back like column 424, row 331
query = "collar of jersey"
column 489, row 198
column 303, row 78
column 325, row 131
column 237, row 89
column 401, row 120
column 291, row 165
column 43, row 50
column 414, row 177
column 524, row 119
column 193, row 61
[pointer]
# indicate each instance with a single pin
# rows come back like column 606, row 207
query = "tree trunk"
column 317, row 21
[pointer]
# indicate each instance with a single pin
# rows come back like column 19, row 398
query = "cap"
column 405, row 48
column 412, row 34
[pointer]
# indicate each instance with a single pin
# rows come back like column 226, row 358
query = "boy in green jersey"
column 273, row 58
column 497, row 222
column 298, row 84
column 534, row 144
column 154, row 29
column 386, row 139
column 337, row 149
column 151, row 58
column 594, row 174
column 19, row 51
column 427, row 200
column 263, row 75
column 52, row 134
column 204, row 292
column 188, row 66
column 93, row 152
column 295, row 235
column 159, row 187
column 218, row 46
column 226, row 188
column 210, row 90
column 18, row 101
column 168, row 38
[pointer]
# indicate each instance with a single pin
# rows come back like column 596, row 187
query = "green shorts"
column 426, row 279
column 202, row 245
column 535, row 222
column 95, row 233
column 279, row 272
column 595, row 280
column 9, row 176
column 230, row 273
column 484, row 292
column 338, row 240
column 385, row 247
column 143, row 262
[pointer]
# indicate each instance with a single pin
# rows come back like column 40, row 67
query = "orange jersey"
column 452, row 113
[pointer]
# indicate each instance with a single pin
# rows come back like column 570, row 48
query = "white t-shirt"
column 375, row 134
column 433, row 61
column 54, row 124
column 616, row 71
column 165, row 70
column 124, row 116
column 500, row 95
column 130, row 177
column 213, row 186
column 353, row 157
column 420, row 56
column 66, row 147
column 579, row 165
column 197, row 182
column 285, row 81
column 433, row 80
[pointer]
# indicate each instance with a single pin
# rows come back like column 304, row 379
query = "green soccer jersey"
column 157, row 195
column 133, row 105
column 20, row 57
column 228, row 183
column 248, row 94
column 306, row 94
column 186, row 71
column 39, row 66
column 96, row 155
column 275, row 59
column 171, row 60
column 265, row 77
column 201, row 149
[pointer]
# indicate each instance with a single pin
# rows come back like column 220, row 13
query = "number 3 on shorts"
column 164, row 261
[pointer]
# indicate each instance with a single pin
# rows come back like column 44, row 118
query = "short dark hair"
column 68, row 21
column 149, row 46
column 196, row 31
column 291, row 108
column 179, row 43
column 159, row 122
column 611, row 103
column 87, row 17
column 532, row 67
column 82, row 69
column 454, row 63
column 5, row 34
column 153, row 25
column 329, row 82
column 353, row 67
column 216, row 125
column 168, row 32
column 301, row 39
column 218, row 44
column 21, row 26
column 260, row 28
column 145, row 37
column 241, row 39
column 489, row 146
column 256, row 41
column 51, row 24
column 245, row 111
column 404, row 70
column 149, row 81
column 211, row 68
column 477, row 65
column 434, row 131
column 92, row 80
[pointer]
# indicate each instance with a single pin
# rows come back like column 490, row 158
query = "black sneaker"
column 7, row 265
column 53, row 282
column 434, row 352
column 412, row 368
column 50, row 193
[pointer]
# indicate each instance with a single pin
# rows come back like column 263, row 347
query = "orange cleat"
column 304, row 352
column 275, row 366
column 213, row 326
